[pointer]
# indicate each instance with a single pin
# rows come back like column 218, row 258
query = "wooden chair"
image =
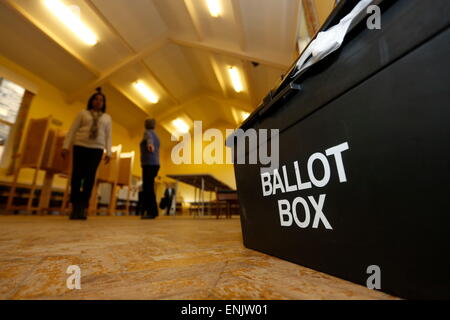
column 227, row 200
column 106, row 173
column 34, row 148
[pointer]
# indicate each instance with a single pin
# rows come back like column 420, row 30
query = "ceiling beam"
column 295, row 29
column 160, row 82
column 173, row 110
column 208, row 95
column 194, row 19
column 51, row 36
column 218, row 74
column 110, row 26
column 129, row 98
column 239, row 54
column 239, row 24
column 233, row 102
column 312, row 20
column 130, row 60
column 136, row 57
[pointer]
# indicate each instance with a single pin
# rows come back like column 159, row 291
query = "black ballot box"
column 362, row 187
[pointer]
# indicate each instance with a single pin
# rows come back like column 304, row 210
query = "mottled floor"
column 166, row 258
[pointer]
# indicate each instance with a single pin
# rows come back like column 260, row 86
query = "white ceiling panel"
column 221, row 30
column 204, row 109
column 176, row 17
column 264, row 79
column 199, row 61
column 269, row 25
column 107, row 52
column 172, row 67
column 137, row 21
column 25, row 45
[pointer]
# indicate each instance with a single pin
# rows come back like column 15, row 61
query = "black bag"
column 163, row 203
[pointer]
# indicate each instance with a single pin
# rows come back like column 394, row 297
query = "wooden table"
column 202, row 183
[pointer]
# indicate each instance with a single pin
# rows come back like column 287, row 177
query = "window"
column 11, row 96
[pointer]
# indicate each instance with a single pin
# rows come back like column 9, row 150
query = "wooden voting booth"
column 126, row 163
column 117, row 173
column 41, row 151
column 54, row 164
column 106, row 173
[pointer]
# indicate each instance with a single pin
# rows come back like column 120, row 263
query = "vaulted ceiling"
column 175, row 46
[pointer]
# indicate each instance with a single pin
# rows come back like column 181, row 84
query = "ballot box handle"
column 283, row 95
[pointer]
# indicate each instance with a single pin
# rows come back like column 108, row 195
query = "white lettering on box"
column 301, row 209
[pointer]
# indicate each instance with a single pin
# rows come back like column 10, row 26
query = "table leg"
column 203, row 197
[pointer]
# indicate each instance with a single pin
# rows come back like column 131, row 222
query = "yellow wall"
column 223, row 172
column 50, row 101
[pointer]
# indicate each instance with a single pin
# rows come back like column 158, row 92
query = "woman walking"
column 90, row 136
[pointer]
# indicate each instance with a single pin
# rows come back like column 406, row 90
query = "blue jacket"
column 149, row 158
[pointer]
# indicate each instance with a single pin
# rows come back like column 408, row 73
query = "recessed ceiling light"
column 72, row 21
column 239, row 115
column 235, row 79
column 146, row 92
column 214, row 8
column 181, row 126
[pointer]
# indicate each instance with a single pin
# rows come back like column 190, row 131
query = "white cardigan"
column 78, row 134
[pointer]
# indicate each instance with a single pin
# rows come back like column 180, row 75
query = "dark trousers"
column 84, row 168
column 149, row 174
column 140, row 205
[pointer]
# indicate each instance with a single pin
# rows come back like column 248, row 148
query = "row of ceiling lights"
column 72, row 20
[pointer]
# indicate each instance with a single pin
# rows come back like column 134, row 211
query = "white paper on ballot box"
column 329, row 41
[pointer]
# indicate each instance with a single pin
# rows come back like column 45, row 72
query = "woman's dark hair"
column 91, row 99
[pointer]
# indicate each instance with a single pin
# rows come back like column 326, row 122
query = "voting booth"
column 361, row 184
column 30, row 157
column 126, row 163
column 41, row 152
column 107, row 173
